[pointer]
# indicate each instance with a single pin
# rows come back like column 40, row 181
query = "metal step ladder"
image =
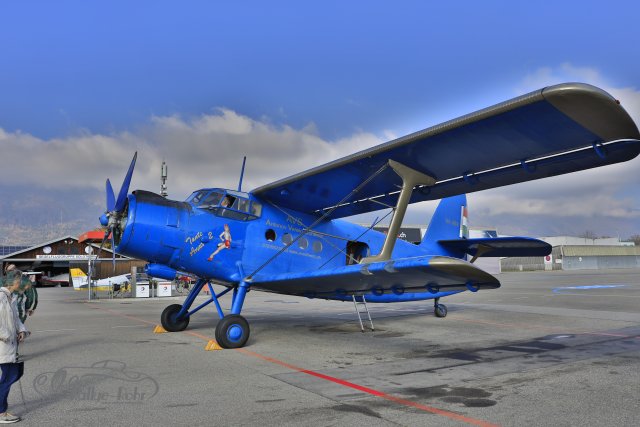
column 358, row 305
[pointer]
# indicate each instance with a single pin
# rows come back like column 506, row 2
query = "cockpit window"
column 196, row 197
column 227, row 204
column 256, row 209
column 212, row 199
column 243, row 205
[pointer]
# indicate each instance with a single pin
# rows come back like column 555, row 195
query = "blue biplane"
column 286, row 237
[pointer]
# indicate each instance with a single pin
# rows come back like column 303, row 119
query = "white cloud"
column 201, row 152
column 207, row 151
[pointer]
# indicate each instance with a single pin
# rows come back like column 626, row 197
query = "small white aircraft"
column 80, row 281
column 57, row 280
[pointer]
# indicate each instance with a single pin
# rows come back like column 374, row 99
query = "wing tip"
column 594, row 109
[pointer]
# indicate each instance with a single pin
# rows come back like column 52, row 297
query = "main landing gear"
column 439, row 310
column 232, row 330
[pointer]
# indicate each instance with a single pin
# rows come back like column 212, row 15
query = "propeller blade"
column 111, row 198
column 104, row 239
column 113, row 251
column 124, row 190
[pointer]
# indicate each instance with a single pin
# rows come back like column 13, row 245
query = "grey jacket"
column 10, row 326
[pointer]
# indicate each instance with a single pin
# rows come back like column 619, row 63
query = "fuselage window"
column 317, row 246
column 270, row 235
column 286, row 238
column 303, row 243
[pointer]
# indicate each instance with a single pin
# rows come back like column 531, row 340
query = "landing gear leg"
column 232, row 330
column 439, row 310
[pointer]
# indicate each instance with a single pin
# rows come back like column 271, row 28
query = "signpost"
column 142, row 291
column 163, row 289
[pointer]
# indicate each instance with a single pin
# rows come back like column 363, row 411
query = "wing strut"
column 410, row 178
column 482, row 249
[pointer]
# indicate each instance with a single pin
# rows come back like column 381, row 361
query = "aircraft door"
column 356, row 251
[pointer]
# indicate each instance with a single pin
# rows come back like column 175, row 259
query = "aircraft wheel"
column 440, row 310
column 169, row 321
column 232, row 331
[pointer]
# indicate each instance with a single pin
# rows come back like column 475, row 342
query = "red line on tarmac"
column 373, row 392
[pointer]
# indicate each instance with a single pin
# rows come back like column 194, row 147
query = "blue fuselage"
column 238, row 236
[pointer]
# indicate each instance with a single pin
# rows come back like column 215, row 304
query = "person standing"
column 27, row 301
column 12, row 332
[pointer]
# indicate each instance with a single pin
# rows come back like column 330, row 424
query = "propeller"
column 113, row 216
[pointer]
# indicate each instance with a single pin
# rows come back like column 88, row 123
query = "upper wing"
column 499, row 246
column 423, row 273
column 552, row 131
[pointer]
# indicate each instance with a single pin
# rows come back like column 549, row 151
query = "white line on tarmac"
column 56, row 330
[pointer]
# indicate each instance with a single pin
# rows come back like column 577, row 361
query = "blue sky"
column 88, row 82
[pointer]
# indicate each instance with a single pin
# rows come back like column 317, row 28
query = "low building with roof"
column 56, row 256
column 578, row 253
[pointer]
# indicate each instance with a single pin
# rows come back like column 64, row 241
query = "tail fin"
column 449, row 221
column 78, row 277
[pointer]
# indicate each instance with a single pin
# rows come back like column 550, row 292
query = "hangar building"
column 55, row 257
column 577, row 253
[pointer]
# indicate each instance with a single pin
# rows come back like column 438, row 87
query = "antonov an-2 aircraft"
column 287, row 237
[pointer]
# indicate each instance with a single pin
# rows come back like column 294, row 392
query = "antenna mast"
column 242, row 173
column 163, row 179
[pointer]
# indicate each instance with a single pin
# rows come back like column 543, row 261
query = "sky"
column 291, row 85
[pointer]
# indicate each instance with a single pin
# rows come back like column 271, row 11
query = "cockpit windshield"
column 211, row 199
column 230, row 204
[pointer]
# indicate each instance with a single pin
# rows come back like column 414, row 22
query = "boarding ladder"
column 358, row 305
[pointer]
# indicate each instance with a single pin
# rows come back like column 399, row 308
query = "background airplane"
column 57, row 280
column 80, row 281
column 287, row 236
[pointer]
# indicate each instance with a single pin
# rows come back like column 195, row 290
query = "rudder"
column 449, row 221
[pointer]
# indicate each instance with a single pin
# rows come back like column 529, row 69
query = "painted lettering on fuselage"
column 294, row 220
column 192, row 239
column 275, row 224
column 195, row 250
column 196, row 238
column 291, row 251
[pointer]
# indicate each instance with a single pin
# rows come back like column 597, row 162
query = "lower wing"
column 416, row 274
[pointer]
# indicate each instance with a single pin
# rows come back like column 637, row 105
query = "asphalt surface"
column 547, row 349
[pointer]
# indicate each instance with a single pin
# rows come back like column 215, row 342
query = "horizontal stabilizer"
column 499, row 246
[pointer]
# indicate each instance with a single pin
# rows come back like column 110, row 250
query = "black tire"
column 169, row 321
column 440, row 310
column 232, row 331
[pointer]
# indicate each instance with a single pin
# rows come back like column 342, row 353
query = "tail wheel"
column 440, row 310
column 169, row 319
column 232, row 331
